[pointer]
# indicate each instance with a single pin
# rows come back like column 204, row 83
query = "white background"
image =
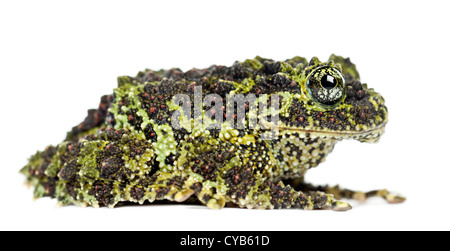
column 58, row 57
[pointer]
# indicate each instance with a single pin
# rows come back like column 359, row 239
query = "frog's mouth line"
column 370, row 133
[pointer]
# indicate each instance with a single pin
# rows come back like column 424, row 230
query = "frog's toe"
column 183, row 195
column 394, row 198
column 390, row 197
column 341, row 206
column 216, row 202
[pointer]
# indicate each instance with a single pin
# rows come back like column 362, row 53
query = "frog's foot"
column 340, row 193
column 267, row 195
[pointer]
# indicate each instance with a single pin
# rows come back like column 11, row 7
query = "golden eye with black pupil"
column 326, row 86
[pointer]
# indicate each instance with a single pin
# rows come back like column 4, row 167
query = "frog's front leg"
column 340, row 193
column 264, row 194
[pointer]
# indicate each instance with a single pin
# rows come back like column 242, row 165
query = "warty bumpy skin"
column 128, row 150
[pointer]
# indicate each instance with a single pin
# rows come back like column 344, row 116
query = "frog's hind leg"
column 340, row 193
column 171, row 186
column 263, row 194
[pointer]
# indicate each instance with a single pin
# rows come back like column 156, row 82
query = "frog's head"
column 334, row 104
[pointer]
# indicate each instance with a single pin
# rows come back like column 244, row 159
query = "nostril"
column 356, row 90
column 360, row 94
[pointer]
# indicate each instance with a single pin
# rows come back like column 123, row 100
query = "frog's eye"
column 326, row 85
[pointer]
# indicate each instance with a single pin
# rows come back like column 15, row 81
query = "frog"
column 140, row 147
